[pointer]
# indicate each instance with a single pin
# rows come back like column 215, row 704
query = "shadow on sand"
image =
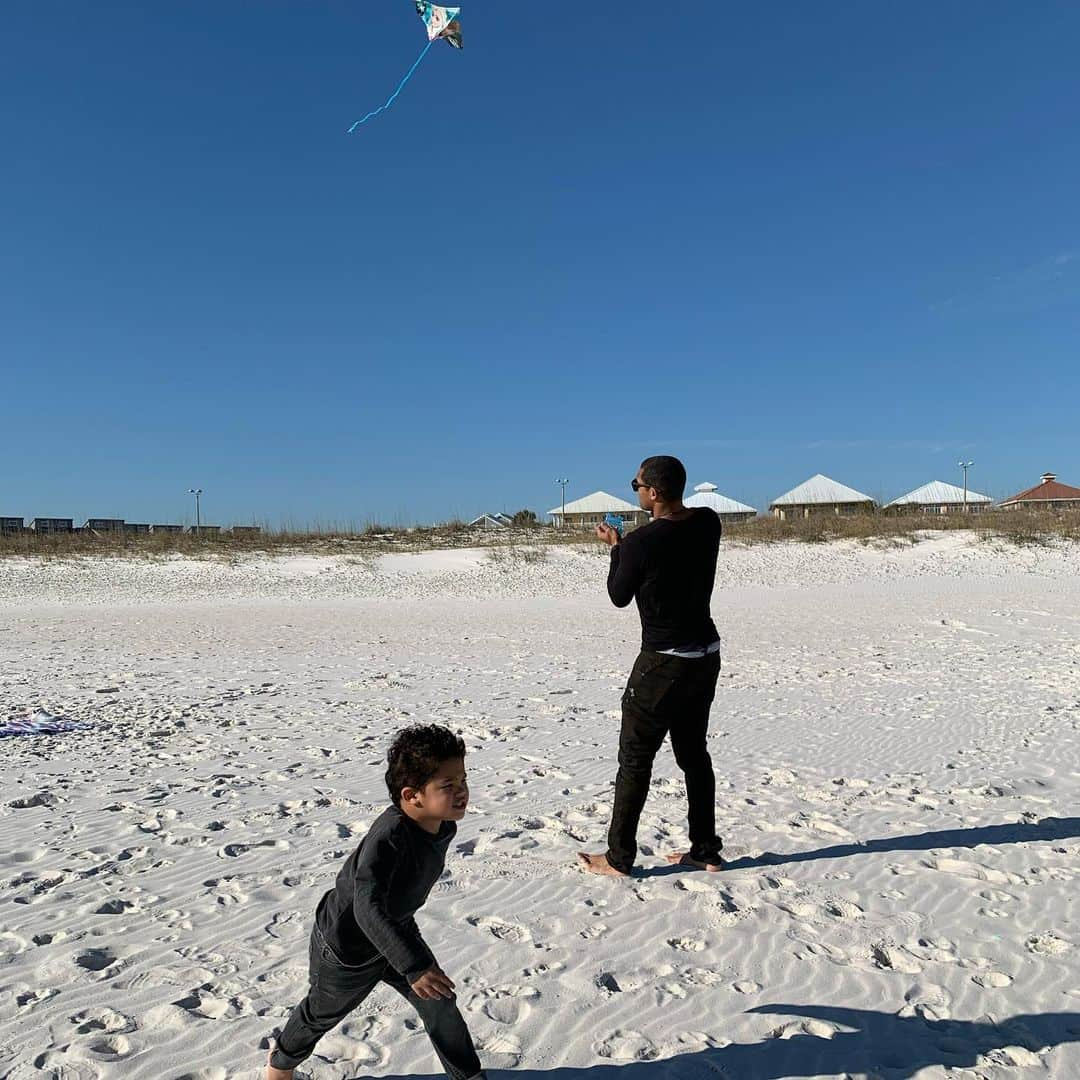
column 997, row 835
column 1014, row 833
column 870, row 1043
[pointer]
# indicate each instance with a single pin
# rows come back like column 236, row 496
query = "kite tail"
column 401, row 86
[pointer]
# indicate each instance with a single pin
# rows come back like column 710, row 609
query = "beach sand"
column 897, row 741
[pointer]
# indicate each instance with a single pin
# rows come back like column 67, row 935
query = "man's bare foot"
column 277, row 1074
column 682, row 858
column 598, row 864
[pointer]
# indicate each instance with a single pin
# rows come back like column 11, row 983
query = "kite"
column 441, row 22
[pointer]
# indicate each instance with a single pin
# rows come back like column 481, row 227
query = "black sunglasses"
column 636, row 484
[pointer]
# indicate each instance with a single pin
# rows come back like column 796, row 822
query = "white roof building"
column 820, row 493
column 707, row 495
column 592, row 509
column 599, row 502
column 939, row 494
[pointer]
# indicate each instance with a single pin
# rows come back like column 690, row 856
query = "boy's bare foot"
column 598, row 864
column 682, row 858
column 277, row 1074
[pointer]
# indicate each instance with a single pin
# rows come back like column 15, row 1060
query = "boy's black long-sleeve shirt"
column 669, row 567
column 369, row 911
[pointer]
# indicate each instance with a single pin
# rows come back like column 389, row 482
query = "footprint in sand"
column 204, row 1002
column 625, row 1045
column 11, row 944
column 962, row 868
column 843, row 909
column 108, row 1047
column 992, row 980
column 31, row 998
column 635, row 979
column 1048, row 944
column 928, row 1001
column 505, row 1005
column 890, row 958
column 339, row 1047
column 96, row 960
column 116, row 906
column 504, row 931
column 692, row 885
column 499, row 1051
column 107, row 1020
column 55, row 1065
column 818, row 1029
column 686, row 944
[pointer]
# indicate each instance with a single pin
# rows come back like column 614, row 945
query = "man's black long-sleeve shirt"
column 369, row 911
column 669, row 567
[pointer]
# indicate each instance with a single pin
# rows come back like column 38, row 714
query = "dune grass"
column 1022, row 528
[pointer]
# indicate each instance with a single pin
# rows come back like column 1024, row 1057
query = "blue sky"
column 772, row 239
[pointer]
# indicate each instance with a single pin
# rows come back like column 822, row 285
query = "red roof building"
column 1049, row 494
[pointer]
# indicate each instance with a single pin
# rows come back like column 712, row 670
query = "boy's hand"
column 432, row 984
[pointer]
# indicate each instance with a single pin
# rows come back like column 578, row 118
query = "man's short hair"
column 666, row 474
column 415, row 755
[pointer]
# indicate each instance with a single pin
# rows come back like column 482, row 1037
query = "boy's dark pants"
column 336, row 989
column 665, row 695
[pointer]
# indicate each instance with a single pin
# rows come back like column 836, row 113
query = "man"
column 668, row 567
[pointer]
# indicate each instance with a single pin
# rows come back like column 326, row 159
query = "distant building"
column 938, row 497
column 204, row 530
column 52, row 525
column 133, row 529
column 100, row 525
column 821, row 495
column 1048, row 494
column 245, row 530
column 166, row 528
column 490, row 521
column 11, row 525
column 727, row 510
column 592, row 509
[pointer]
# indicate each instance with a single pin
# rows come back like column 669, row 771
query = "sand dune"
column 897, row 736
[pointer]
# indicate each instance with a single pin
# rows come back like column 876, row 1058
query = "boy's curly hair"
column 416, row 754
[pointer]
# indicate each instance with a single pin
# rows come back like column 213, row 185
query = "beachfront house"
column 590, row 511
column 52, row 525
column 166, row 528
column 1048, row 494
column 246, row 530
column 11, row 525
column 729, row 511
column 204, row 530
column 101, row 525
column 132, row 528
column 821, row 495
column 937, row 497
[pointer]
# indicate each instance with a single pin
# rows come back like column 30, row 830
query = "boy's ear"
column 409, row 794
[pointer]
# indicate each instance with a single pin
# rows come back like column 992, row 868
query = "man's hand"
column 433, row 984
column 609, row 535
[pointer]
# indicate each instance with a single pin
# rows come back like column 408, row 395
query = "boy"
column 364, row 929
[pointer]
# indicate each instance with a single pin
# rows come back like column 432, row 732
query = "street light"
column 198, row 516
column 562, row 482
column 965, row 465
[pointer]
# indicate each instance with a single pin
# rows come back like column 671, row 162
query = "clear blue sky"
column 789, row 238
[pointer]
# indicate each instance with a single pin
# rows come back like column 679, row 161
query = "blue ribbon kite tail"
column 393, row 97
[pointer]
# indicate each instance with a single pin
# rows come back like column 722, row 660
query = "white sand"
column 900, row 727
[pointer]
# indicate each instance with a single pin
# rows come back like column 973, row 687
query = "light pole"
column 198, row 515
column 965, row 465
column 562, row 482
